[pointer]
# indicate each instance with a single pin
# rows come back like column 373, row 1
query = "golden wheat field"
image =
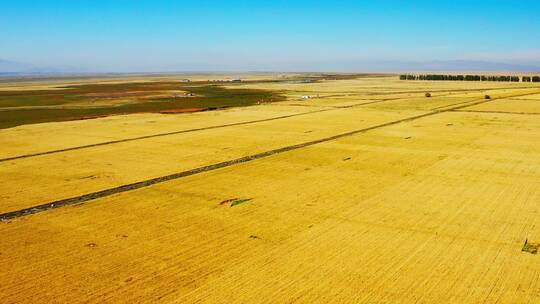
column 366, row 192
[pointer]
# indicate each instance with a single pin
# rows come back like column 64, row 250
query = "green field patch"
column 99, row 100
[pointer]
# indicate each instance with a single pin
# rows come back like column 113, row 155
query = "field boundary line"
column 494, row 112
column 453, row 104
column 142, row 184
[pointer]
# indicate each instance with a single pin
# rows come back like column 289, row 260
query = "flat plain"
column 366, row 192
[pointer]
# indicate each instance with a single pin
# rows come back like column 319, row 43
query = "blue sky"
column 131, row 35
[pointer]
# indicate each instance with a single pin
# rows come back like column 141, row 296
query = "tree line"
column 470, row 78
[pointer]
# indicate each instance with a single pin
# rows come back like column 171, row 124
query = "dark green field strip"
column 206, row 95
column 142, row 184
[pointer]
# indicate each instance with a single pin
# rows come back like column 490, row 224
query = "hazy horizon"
column 352, row 36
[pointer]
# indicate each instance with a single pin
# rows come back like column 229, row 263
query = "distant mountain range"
column 467, row 65
column 11, row 68
column 16, row 68
column 417, row 66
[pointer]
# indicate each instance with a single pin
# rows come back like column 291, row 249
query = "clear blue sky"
column 131, row 35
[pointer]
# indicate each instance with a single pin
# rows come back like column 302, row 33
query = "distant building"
column 185, row 80
column 306, row 97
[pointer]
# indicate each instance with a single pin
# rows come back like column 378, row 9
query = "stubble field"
column 368, row 192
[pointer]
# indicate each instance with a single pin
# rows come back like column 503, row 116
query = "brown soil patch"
column 187, row 110
column 84, row 117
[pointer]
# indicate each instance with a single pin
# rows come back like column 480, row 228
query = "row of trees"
column 470, row 78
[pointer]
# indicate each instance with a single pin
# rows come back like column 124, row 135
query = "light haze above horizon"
column 164, row 36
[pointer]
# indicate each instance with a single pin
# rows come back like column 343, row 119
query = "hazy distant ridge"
column 11, row 67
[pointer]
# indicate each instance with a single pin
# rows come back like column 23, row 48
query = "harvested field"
column 510, row 105
column 367, row 193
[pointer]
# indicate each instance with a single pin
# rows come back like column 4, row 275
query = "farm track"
column 142, row 184
column 446, row 106
column 495, row 112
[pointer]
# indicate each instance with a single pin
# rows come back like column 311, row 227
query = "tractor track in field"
column 447, row 106
column 142, row 184
column 494, row 112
